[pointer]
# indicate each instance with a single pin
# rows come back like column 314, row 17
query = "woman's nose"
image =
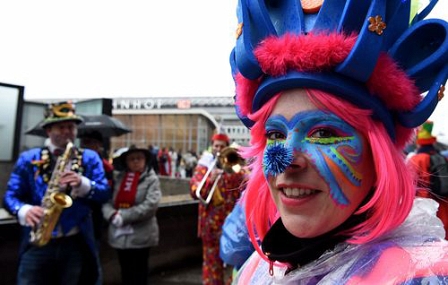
column 298, row 163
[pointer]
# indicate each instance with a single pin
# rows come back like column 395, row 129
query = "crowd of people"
column 64, row 195
column 167, row 162
column 122, row 196
column 324, row 193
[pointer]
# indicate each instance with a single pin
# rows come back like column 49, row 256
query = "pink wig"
column 394, row 188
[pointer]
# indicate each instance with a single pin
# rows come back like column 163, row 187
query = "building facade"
column 183, row 124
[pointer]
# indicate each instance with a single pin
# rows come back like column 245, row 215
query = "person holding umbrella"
column 106, row 125
column 94, row 140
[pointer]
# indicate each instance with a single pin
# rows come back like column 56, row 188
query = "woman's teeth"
column 297, row 192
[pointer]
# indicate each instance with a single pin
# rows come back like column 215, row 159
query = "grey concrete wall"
column 174, row 186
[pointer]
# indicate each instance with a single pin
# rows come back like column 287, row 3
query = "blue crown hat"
column 419, row 47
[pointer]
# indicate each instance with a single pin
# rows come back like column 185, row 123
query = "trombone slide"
column 201, row 185
column 229, row 161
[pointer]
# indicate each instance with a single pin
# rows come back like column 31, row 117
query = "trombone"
column 229, row 161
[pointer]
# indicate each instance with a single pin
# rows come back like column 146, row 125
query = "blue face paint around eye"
column 333, row 145
column 276, row 158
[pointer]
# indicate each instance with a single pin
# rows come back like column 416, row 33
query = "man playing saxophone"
column 57, row 245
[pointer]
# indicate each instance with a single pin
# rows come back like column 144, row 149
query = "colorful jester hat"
column 424, row 134
column 374, row 54
column 60, row 112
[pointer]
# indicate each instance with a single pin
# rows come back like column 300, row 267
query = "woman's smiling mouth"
column 292, row 192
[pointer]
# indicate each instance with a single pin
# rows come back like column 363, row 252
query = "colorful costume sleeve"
column 94, row 170
column 201, row 169
column 195, row 181
column 22, row 182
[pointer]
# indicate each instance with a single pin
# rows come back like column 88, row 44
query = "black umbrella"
column 106, row 125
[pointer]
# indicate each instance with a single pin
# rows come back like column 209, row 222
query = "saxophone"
column 53, row 202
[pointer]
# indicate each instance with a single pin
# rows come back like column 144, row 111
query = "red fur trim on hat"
column 316, row 53
column 303, row 53
column 391, row 84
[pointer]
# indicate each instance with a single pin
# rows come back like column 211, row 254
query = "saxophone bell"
column 61, row 200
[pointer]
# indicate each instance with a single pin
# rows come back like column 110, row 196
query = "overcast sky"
column 99, row 48
column 117, row 48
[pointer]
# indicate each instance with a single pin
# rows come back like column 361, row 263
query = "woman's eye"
column 274, row 135
column 322, row 133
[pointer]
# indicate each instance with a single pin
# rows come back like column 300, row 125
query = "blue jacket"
column 27, row 186
column 235, row 246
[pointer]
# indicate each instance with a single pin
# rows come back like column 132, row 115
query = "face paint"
column 276, row 158
column 334, row 147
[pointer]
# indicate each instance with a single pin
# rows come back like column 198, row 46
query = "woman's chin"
column 304, row 227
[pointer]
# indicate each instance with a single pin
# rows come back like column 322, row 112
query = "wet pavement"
column 189, row 275
column 176, row 260
column 186, row 275
column 186, row 272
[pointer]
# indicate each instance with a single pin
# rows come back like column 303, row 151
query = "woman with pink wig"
column 332, row 95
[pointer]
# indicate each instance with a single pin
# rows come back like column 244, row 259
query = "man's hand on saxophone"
column 34, row 215
column 70, row 178
column 74, row 184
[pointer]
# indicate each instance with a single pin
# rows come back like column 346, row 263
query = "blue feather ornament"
column 276, row 158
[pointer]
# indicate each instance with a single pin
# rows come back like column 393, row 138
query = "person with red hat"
column 208, row 176
column 431, row 168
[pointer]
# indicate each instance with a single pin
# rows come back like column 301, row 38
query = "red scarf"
column 128, row 189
